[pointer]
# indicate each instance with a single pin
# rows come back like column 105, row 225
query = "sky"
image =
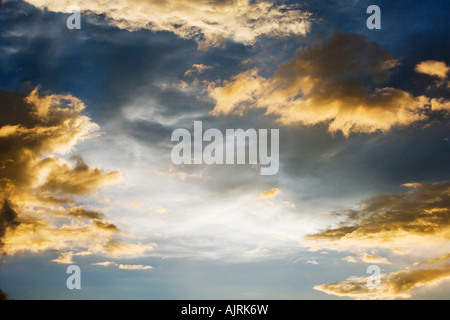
column 87, row 176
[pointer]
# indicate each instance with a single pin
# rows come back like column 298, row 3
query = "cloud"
column 414, row 223
column 336, row 82
column 80, row 212
column 350, row 259
column 78, row 179
column 39, row 189
column 123, row 266
column 3, row 295
column 314, row 262
column 209, row 22
column 134, row 267
column 268, row 195
column 8, row 219
column 417, row 217
column 105, row 264
column 196, row 69
column 433, row 68
column 400, row 284
column 436, row 69
column 369, row 258
column 64, row 258
column 174, row 173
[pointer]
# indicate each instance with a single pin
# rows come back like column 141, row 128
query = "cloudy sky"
column 87, row 178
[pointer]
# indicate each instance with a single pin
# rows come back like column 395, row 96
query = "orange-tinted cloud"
column 196, row 69
column 433, row 68
column 400, row 284
column 373, row 259
column 209, row 22
column 78, row 179
column 414, row 223
column 335, row 82
column 436, row 69
column 268, row 195
column 419, row 216
column 38, row 189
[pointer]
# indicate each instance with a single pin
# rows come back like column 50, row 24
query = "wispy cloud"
column 123, row 266
column 268, row 195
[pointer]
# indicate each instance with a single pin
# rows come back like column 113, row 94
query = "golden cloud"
column 400, row 284
column 209, row 22
column 415, row 222
column 370, row 258
column 328, row 83
column 416, row 217
column 38, row 189
column 268, row 195
column 196, row 69
column 433, row 68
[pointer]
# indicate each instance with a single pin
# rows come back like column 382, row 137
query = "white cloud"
column 123, row 266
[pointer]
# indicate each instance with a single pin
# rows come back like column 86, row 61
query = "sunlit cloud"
column 268, row 195
column 417, row 217
column 433, row 68
column 39, row 188
column 415, row 223
column 438, row 70
column 370, row 258
column 400, row 284
column 209, row 22
column 197, row 69
column 325, row 84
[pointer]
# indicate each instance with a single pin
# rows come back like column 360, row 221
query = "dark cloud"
column 8, row 219
column 3, row 295
column 83, row 213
